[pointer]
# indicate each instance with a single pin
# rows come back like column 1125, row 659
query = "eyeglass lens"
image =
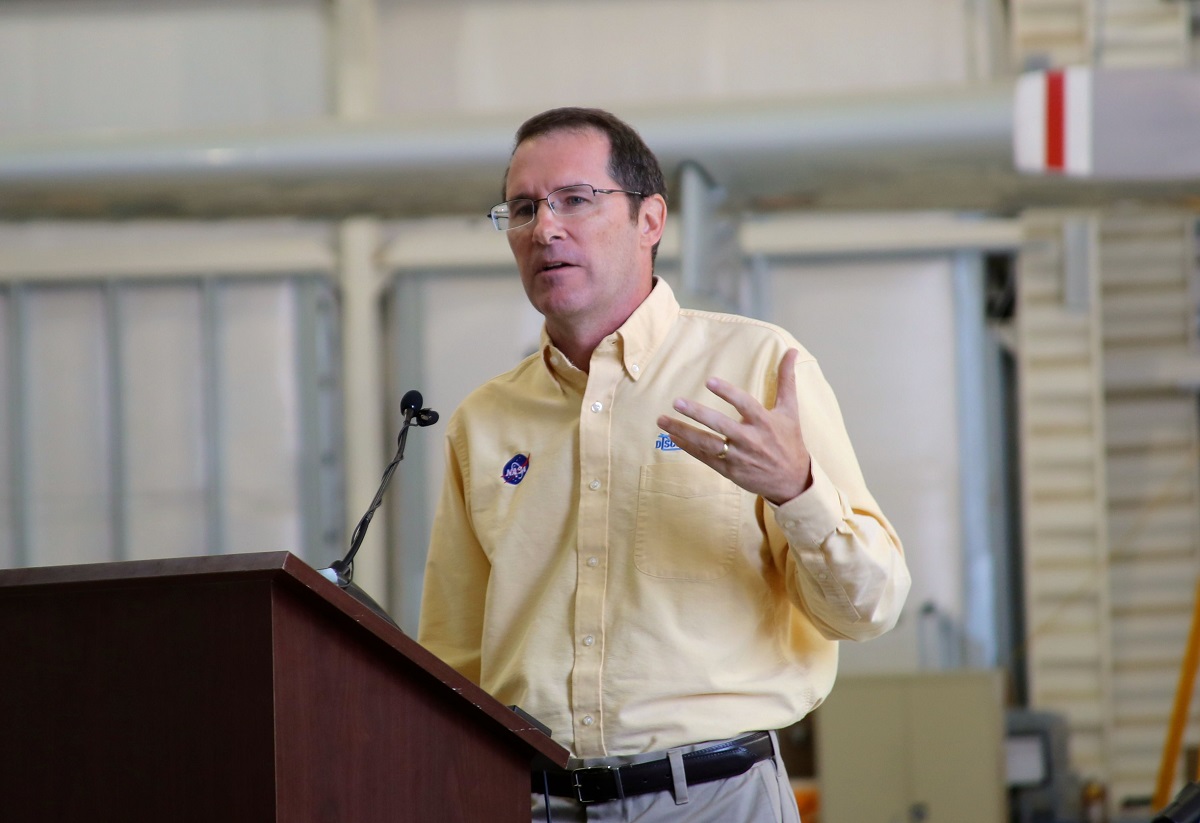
column 565, row 201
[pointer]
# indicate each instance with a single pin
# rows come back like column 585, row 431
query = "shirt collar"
column 647, row 327
column 639, row 337
column 560, row 368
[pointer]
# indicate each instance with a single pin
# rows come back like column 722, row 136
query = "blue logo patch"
column 665, row 443
column 515, row 469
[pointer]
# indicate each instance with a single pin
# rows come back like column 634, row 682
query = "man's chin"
column 555, row 296
column 562, row 308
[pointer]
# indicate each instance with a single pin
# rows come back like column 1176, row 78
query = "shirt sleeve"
column 456, row 576
column 843, row 561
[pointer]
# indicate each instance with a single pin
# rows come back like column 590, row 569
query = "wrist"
column 794, row 491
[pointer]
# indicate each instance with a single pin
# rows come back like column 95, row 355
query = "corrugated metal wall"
column 1109, row 431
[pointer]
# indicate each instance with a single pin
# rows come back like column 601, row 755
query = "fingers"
column 703, row 445
column 747, row 404
column 763, row 451
column 705, row 416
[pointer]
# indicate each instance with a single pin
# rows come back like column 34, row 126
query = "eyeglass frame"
column 535, row 200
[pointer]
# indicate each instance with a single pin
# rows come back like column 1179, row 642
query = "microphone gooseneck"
column 341, row 572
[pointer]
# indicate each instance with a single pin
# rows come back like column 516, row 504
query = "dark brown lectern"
column 238, row 688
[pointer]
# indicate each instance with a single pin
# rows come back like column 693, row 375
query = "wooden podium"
column 239, row 688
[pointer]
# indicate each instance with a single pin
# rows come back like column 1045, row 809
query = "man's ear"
column 652, row 219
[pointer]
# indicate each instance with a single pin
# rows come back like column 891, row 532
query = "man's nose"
column 546, row 223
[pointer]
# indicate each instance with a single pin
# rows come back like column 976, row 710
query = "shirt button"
column 597, row 406
column 589, row 640
column 822, row 576
column 789, row 524
column 593, row 562
column 594, row 485
column 634, row 368
column 553, row 360
column 587, row 720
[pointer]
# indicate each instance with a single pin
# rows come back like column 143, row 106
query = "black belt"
column 600, row 784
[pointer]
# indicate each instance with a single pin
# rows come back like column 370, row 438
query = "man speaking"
column 653, row 532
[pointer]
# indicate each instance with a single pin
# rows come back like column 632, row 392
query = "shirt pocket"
column 687, row 522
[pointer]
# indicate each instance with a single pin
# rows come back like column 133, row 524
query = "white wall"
column 884, row 333
column 103, row 65
column 159, row 407
column 526, row 55
column 68, row 66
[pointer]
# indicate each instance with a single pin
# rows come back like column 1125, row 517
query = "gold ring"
column 724, row 450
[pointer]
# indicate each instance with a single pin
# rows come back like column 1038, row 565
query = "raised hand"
column 764, row 452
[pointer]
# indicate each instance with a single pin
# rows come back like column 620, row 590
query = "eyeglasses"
column 513, row 214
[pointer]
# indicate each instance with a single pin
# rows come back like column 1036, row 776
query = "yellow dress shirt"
column 584, row 568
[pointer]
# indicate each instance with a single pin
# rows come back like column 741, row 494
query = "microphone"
column 410, row 404
column 341, row 572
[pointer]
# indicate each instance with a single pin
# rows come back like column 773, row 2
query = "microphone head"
column 411, row 402
column 426, row 417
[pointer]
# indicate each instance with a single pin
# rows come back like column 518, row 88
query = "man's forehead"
column 531, row 155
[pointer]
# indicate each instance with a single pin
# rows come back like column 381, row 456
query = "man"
column 657, row 588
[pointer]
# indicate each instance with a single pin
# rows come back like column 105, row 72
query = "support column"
column 711, row 261
column 363, row 398
column 354, row 80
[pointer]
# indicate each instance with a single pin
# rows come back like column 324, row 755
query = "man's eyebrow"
column 521, row 195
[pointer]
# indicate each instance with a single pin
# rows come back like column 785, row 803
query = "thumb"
column 785, row 384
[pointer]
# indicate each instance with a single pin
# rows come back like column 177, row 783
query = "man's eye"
column 574, row 202
column 520, row 208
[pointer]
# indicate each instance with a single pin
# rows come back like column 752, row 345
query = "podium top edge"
column 129, row 570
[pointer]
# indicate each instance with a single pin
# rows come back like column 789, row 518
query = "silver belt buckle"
column 615, row 771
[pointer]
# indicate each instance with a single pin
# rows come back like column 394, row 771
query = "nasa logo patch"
column 515, row 469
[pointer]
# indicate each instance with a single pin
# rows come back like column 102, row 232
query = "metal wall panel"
column 168, row 417
column 1065, row 537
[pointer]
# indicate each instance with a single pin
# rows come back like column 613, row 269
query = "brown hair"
column 630, row 161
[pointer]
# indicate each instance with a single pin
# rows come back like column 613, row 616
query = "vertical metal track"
column 118, row 483
column 214, row 463
column 979, row 610
column 18, row 383
column 758, row 297
column 308, row 466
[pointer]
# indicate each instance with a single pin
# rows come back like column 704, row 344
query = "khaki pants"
column 761, row 795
